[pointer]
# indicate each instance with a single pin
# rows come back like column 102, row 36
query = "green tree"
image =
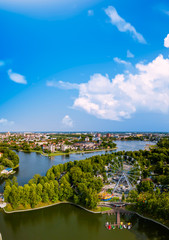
column 65, row 190
column 33, row 195
column 14, row 197
column 7, row 192
column 123, row 197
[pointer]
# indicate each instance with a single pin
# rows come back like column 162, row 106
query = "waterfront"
column 66, row 221
column 33, row 163
column 69, row 222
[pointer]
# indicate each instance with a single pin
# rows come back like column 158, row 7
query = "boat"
column 113, row 227
column 109, row 227
column 129, row 226
column 121, row 226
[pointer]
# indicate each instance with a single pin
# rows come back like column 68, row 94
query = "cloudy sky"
column 88, row 65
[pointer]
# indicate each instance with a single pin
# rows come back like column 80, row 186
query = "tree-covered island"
column 9, row 160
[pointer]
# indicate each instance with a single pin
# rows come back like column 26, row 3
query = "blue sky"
column 89, row 66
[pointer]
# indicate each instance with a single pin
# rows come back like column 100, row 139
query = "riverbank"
column 9, row 210
column 149, row 217
column 79, row 152
column 58, row 153
column 98, row 210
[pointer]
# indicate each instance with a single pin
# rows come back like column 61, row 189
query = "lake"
column 33, row 163
column 65, row 221
column 69, row 222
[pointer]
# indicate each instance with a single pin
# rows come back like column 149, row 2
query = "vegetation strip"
column 51, row 205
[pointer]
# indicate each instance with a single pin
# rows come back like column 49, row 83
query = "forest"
column 151, row 197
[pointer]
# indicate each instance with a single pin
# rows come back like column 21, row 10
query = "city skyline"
column 89, row 66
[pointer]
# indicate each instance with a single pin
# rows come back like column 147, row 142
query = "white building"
column 64, row 147
column 87, row 139
column 7, row 171
column 51, row 147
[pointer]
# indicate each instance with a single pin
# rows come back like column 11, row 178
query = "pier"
column 117, row 209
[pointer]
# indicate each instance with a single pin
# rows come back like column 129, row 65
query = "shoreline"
column 63, row 153
column 149, row 219
column 50, row 205
column 90, row 211
column 79, row 152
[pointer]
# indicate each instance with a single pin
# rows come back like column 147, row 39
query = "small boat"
column 106, row 224
column 109, row 227
column 129, row 226
column 121, row 227
column 113, row 227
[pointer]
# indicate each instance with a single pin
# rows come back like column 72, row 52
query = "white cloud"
column 166, row 41
column 67, row 121
column 2, row 63
column 129, row 54
column 120, row 97
column 61, row 84
column 122, row 25
column 4, row 121
column 16, row 77
column 90, row 12
column 120, row 61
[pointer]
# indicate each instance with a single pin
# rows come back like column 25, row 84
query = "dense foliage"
column 8, row 159
column 73, row 181
column 152, row 195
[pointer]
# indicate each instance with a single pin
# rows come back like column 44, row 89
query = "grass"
column 59, row 153
column 76, row 152
column 16, row 166
column 9, row 208
column 41, row 205
column 101, row 209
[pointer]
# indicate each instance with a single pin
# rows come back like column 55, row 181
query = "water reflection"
column 67, row 221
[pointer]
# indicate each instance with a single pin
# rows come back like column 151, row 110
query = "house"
column 45, row 147
column 7, row 171
column 108, row 135
column 98, row 135
column 87, row 139
column 51, row 147
column 64, row 147
column 96, row 139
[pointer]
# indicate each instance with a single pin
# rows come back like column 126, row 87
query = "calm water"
column 33, row 163
column 68, row 222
